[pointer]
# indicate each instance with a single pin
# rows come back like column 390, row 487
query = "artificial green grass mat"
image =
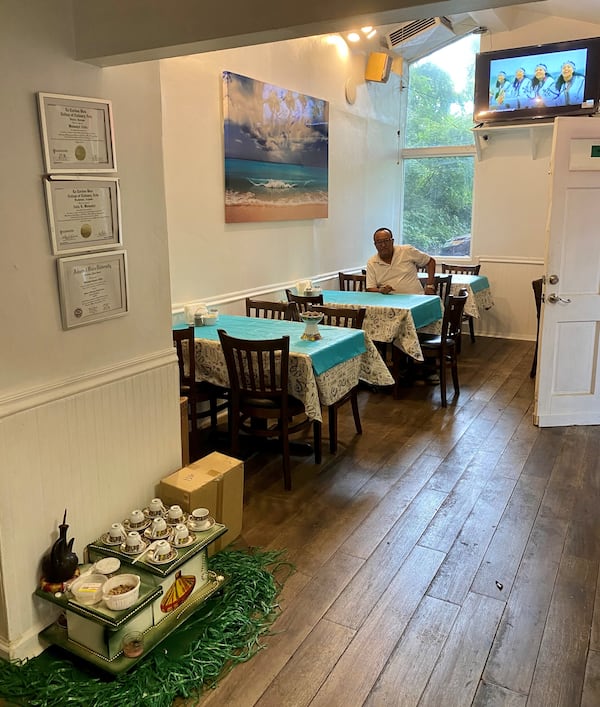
column 224, row 631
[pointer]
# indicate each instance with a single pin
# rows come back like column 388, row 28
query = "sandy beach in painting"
column 241, row 213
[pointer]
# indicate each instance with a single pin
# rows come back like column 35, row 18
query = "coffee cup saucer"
column 152, row 516
column 175, row 521
column 107, row 541
column 163, row 536
column 191, row 538
column 128, row 525
column 165, row 559
column 204, row 525
column 140, row 548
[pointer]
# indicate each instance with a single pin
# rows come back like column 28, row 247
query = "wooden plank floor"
column 444, row 558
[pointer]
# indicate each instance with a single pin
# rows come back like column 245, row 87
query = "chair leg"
column 285, row 449
column 454, row 365
column 355, row 411
column 443, row 381
column 318, row 443
column 332, row 429
column 472, row 329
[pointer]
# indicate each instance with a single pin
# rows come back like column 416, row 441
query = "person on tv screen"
column 542, row 85
column 568, row 88
column 519, row 91
column 498, row 91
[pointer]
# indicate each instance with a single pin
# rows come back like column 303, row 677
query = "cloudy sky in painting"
column 271, row 124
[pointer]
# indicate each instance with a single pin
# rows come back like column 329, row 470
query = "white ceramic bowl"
column 211, row 318
column 116, row 602
column 88, row 590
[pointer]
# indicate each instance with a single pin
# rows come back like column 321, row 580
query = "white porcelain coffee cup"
column 175, row 513
column 162, row 549
column 156, row 507
column 181, row 534
column 133, row 541
column 158, row 529
column 117, row 533
column 200, row 515
column 136, row 518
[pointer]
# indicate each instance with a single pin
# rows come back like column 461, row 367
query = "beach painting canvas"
column 276, row 152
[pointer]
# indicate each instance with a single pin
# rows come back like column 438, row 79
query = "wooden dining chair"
column 303, row 301
column 459, row 269
column 351, row 319
column 352, row 282
column 272, row 310
column 260, row 404
column 196, row 392
column 443, row 283
column 444, row 347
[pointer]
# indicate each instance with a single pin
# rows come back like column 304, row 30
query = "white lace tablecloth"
column 392, row 318
column 312, row 390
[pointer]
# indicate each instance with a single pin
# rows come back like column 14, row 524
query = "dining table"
column 320, row 372
column 479, row 295
column 393, row 318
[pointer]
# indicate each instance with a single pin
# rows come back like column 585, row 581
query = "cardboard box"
column 215, row 482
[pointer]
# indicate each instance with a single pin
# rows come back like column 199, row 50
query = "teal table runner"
column 336, row 346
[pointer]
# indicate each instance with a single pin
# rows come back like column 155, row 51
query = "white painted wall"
column 212, row 259
column 511, row 196
column 89, row 418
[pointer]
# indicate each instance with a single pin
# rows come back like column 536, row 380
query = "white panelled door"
column 568, row 380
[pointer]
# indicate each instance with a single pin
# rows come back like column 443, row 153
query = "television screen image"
column 538, row 82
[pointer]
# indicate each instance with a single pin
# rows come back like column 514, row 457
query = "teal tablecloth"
column 336, row 346
column 424, row 309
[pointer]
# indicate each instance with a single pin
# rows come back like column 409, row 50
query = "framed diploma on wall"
column 77, row 134
column 92, row 287
column 84, row 213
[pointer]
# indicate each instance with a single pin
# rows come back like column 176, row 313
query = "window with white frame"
column 438, row 154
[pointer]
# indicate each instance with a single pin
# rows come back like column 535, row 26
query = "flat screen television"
column 537, row 82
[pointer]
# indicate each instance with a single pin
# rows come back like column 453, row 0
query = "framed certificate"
column 84, row 213
column 77, row 134
column 92, row 287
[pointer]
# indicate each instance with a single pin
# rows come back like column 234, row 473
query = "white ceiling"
column 495, row 20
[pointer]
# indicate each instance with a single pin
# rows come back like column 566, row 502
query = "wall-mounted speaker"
column 378, row 67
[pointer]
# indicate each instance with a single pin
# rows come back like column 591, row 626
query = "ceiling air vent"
column 416, row 31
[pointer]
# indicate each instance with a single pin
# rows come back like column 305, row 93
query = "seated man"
column 394, row 268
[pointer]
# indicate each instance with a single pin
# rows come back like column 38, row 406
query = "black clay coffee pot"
column 60, row 563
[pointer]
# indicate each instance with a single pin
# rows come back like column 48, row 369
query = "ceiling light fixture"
column 353, row 37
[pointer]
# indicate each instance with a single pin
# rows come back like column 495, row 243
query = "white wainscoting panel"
column 99, row 454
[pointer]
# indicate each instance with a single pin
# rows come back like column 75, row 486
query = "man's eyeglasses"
column 383, row 241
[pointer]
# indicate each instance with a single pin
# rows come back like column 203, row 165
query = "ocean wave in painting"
column 290, row 198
